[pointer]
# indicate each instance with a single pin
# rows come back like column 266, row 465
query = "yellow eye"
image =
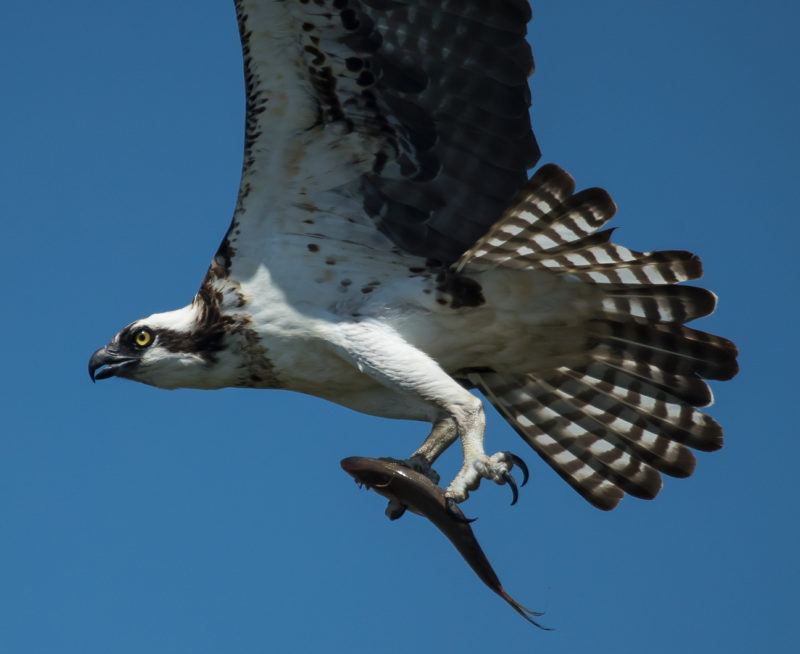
column 143, row 338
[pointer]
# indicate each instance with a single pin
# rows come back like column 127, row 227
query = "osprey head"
column 176, row 349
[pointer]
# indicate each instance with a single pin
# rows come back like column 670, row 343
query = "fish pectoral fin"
column 395, row 509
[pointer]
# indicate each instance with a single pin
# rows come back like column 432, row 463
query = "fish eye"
column 143, row 338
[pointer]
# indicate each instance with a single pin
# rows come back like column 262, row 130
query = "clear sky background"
column 139, row 520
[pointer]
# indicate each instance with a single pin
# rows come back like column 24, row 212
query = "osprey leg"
column 430, row 393
column 443, row 435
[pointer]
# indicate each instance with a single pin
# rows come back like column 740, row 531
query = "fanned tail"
column 610, row 426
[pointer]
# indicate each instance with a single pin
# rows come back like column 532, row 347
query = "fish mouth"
column 107, row 362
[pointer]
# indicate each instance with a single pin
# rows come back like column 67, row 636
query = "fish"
column 412, row 490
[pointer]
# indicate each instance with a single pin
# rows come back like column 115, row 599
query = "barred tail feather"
column 674, row 349
column 570, row 455
column 664, row 405
column 604, row 440
column 613, row 424
column 649, row 304
column 544, row 216
column 548, row 228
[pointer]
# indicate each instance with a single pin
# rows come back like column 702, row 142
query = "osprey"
column 388, row 253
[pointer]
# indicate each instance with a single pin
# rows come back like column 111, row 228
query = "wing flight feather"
column 416, row 111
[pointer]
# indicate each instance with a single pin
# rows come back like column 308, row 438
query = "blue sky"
column 140, row 520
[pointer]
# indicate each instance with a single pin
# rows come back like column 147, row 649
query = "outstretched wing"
column 414, row 112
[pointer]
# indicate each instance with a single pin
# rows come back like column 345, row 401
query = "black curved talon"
column 510, row 481
column 456, row 513
column 522, row 466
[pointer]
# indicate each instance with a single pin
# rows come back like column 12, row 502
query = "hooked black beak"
column 108, row 362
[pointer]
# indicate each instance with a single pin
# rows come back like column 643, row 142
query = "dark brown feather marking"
column 463, row 291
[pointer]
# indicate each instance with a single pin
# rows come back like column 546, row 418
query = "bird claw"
column 455, row 512
column 496, row 467
column 514, row 491
column 522, row 466
column 508, row 479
